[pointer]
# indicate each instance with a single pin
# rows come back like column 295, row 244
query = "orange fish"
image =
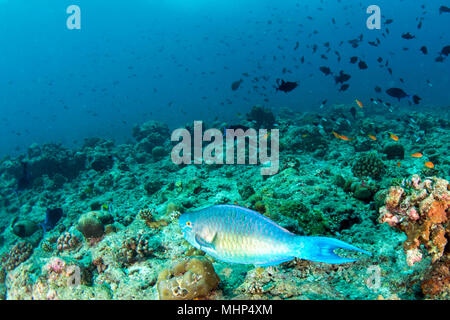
column 398, row 164
column 417, row 155
column 372, row 137
column 266, row 135
column 393, row 137
column 339, row 136
column 359, row 103
column 345, row 138
column 429, row 164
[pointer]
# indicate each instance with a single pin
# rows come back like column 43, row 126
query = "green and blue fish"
column 235, row 234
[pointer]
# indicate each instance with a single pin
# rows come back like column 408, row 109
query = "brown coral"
column 134, row 249
column 437, row 282
column 67, row 241
column 190, row 279
column 148, row 216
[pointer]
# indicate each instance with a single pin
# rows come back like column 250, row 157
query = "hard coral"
column 90, row 225
column 148, row 216
column 368, row 165
column 67, row 241
column 187, row 280
column 134, row 249
column 421, row 210
column 19, row 253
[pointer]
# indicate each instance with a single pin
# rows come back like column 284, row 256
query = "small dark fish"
column 353, row 60
column 380, row 59
column 342, row 77
column 396, row 93
column 52, row 217
column 344, row 87
column 296, row 45
column 408, row 36
column 445, row 50
column 388, row 21
column 377, row 89
column 326, row 71
column 389, row 70
column 424, row 50
column 439, row 59
column 400, row 94
column 362, row 65
column 416, row 99
column 443, row 9
column 235, row 85
column 286, row 86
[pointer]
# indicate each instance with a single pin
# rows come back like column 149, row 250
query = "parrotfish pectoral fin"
column 321, row 249
column 205, row 244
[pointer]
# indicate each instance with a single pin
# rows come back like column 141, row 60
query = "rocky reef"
column 118, row 237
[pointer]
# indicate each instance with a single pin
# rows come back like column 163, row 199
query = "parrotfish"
column 235, row 234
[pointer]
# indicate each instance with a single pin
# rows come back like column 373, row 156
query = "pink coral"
column 56, row 265
column 413, row 256
column 412, row 214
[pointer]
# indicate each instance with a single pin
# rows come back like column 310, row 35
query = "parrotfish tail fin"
column 321, row 249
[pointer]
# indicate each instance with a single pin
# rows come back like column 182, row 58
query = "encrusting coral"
column 420, row 209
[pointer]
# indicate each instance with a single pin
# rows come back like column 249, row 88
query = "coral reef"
column 122, row 202
column 421, row 210
column 187, row 280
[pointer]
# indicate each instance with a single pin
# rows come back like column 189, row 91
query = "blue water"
column 174, row 61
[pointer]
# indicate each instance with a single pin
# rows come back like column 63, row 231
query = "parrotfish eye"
column 189, row 224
